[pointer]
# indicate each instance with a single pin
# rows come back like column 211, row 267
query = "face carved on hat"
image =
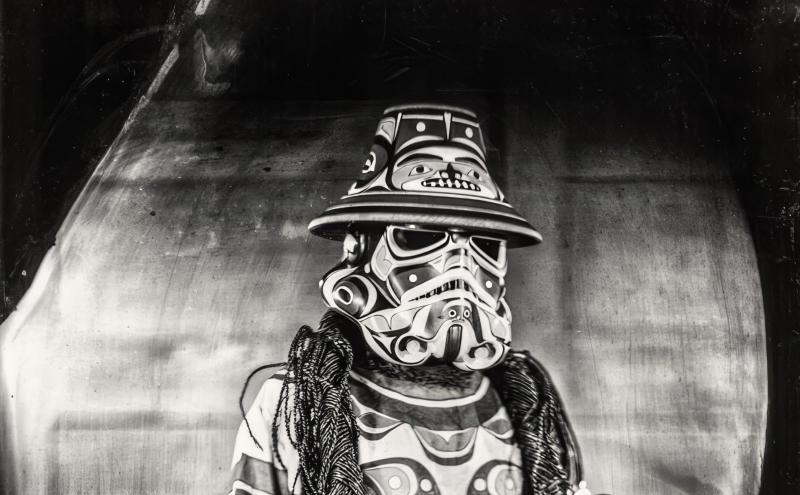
column 424, row 295
column 439, row 176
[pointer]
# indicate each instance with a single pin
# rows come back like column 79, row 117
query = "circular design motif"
column 489, row 284
column 505, row 482
column 426, row 485
column 412, row 278
column 497, row 478
column 469, row 132
column 398, row 476
column 420, row 126
column 344, row 295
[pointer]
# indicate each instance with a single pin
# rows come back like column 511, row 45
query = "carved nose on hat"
column 450, row 173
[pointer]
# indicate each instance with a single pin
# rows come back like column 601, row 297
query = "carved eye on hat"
column 419, row 170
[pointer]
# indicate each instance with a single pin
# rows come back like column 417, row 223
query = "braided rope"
column 318, row 418
column 549, row 452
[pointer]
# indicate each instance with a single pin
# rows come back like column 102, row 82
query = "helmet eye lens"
column 416, row 239
column 492, row 248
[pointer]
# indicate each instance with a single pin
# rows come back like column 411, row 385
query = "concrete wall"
column 185, row 263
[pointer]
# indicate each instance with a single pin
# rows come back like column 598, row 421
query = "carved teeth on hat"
column 451, row 184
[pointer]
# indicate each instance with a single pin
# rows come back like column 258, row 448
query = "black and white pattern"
column 407, row 445
column 427, row 166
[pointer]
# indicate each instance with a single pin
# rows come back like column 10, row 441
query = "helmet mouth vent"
column 452, row 347
column 452, row 285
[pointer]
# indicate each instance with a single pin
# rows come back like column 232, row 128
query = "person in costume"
column 409, row 385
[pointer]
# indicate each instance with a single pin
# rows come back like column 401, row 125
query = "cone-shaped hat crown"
column 427, row 167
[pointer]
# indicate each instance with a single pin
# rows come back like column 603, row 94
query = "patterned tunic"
column 410, row 443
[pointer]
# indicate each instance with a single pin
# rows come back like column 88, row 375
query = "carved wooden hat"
column 427, row 167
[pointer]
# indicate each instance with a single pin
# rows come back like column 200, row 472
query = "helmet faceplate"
column 424, row 295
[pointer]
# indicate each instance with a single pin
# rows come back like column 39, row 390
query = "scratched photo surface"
column 167, row 157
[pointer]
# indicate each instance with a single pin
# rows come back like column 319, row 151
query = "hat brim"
column 374, row 210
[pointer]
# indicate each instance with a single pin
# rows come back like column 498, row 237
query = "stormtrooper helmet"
column 424, row 232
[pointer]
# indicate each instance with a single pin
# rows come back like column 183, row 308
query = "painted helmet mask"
column 425, row 230
column 425, row 295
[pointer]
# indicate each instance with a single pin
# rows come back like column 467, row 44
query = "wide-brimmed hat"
column 427, row 167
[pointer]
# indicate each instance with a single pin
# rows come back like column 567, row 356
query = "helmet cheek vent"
column 351, row 296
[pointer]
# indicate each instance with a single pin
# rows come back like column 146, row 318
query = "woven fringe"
column 550, row 454
column 319, row 418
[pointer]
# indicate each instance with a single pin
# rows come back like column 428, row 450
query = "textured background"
column 185, row 263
